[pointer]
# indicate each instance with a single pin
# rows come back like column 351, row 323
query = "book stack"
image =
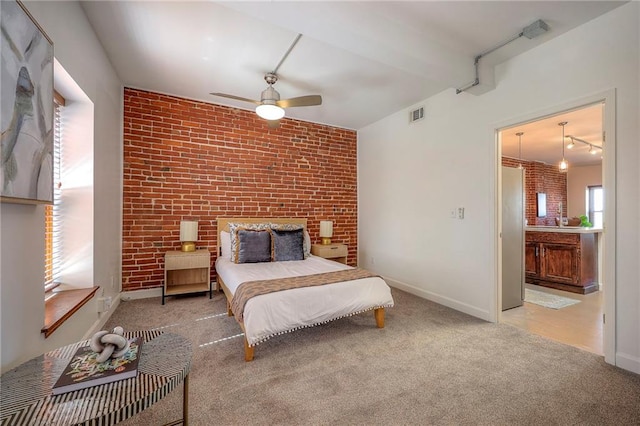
column 84, row 370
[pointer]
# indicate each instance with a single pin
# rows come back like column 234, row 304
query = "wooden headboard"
column 223, row 223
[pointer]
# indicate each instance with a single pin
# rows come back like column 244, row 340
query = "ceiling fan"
column 270, row 106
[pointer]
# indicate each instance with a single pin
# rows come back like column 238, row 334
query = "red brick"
column 540, row 177
column 193, row 160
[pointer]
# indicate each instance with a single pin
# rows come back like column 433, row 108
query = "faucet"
column 560, row 209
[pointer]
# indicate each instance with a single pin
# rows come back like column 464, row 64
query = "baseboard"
column 141, row 294
column 628, row 362
column 442, row 300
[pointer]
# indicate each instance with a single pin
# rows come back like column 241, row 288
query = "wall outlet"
column 372, row 260
column 104, row 304
column 460, row 212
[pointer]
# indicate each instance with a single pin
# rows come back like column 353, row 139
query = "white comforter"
column 283, row 311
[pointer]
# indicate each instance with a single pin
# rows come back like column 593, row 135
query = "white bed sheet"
column 284, row 311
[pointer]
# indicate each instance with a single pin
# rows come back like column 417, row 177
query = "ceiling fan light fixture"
column 270, row 112
column 270, row 106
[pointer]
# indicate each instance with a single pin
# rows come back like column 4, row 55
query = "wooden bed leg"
column 248, row 351
column 229, row 311
column 379, row 314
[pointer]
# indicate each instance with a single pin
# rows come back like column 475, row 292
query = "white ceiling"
column 541, row 139
column 367, row 59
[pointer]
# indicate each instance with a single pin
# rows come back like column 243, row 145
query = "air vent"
column 416, row 115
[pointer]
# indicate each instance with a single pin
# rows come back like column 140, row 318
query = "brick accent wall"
column 540, row 177
column 190, row 160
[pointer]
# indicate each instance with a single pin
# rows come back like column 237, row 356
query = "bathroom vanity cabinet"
column 562, row 258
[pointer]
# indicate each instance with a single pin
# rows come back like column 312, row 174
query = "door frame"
column 608, row 239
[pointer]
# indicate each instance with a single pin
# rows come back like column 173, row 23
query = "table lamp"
column 188, row 235
column 326, row 231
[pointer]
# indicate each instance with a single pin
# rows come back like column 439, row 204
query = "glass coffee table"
column 26, row 397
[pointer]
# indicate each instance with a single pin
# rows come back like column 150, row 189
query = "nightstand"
column 186, row 272
column 335, row 252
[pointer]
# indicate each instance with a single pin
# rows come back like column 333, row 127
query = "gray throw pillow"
column 288, row 244
column 254, row 246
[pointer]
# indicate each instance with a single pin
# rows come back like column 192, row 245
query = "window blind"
column 53, row 234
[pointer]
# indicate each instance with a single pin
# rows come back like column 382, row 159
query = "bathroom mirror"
column 541, row 204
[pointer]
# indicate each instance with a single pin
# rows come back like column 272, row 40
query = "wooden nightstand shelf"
column 186, row 272
column 336, row 252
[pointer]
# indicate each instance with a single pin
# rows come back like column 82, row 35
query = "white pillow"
column 307, row 244
column 225, row 244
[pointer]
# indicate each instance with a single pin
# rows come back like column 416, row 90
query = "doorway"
column 542, row 143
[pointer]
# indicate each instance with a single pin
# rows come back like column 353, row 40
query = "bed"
column 310, row 290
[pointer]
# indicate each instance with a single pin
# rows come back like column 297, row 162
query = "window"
column 595, row 203
column 69, row 222
column 52, row 211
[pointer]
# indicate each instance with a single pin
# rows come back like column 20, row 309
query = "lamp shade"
column 326, row 228
column 188, row 234
column 326, row 231
column 188, row 230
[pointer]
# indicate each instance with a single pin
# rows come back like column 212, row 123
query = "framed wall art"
column 27, row 108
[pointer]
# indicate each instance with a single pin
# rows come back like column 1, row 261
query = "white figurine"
column 109, row 345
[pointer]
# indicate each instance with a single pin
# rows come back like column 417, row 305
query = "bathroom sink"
column 573, row 222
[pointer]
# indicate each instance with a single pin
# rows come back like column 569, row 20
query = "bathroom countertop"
column 564, row 229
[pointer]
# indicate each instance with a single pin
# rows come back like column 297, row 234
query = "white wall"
column 22, row 241
column 579, row 178
column 410, row 176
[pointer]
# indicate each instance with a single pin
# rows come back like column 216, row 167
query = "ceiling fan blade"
column 273, row 124
column 309, row 100
column 237, row 98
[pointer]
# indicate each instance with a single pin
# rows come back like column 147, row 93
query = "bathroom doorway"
column 580, row 193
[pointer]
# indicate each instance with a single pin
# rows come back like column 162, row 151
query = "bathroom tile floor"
column 579, row 325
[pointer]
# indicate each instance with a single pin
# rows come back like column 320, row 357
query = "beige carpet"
column 429, row 366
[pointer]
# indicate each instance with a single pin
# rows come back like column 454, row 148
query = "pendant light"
column 519, row 135
column 563, row 164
